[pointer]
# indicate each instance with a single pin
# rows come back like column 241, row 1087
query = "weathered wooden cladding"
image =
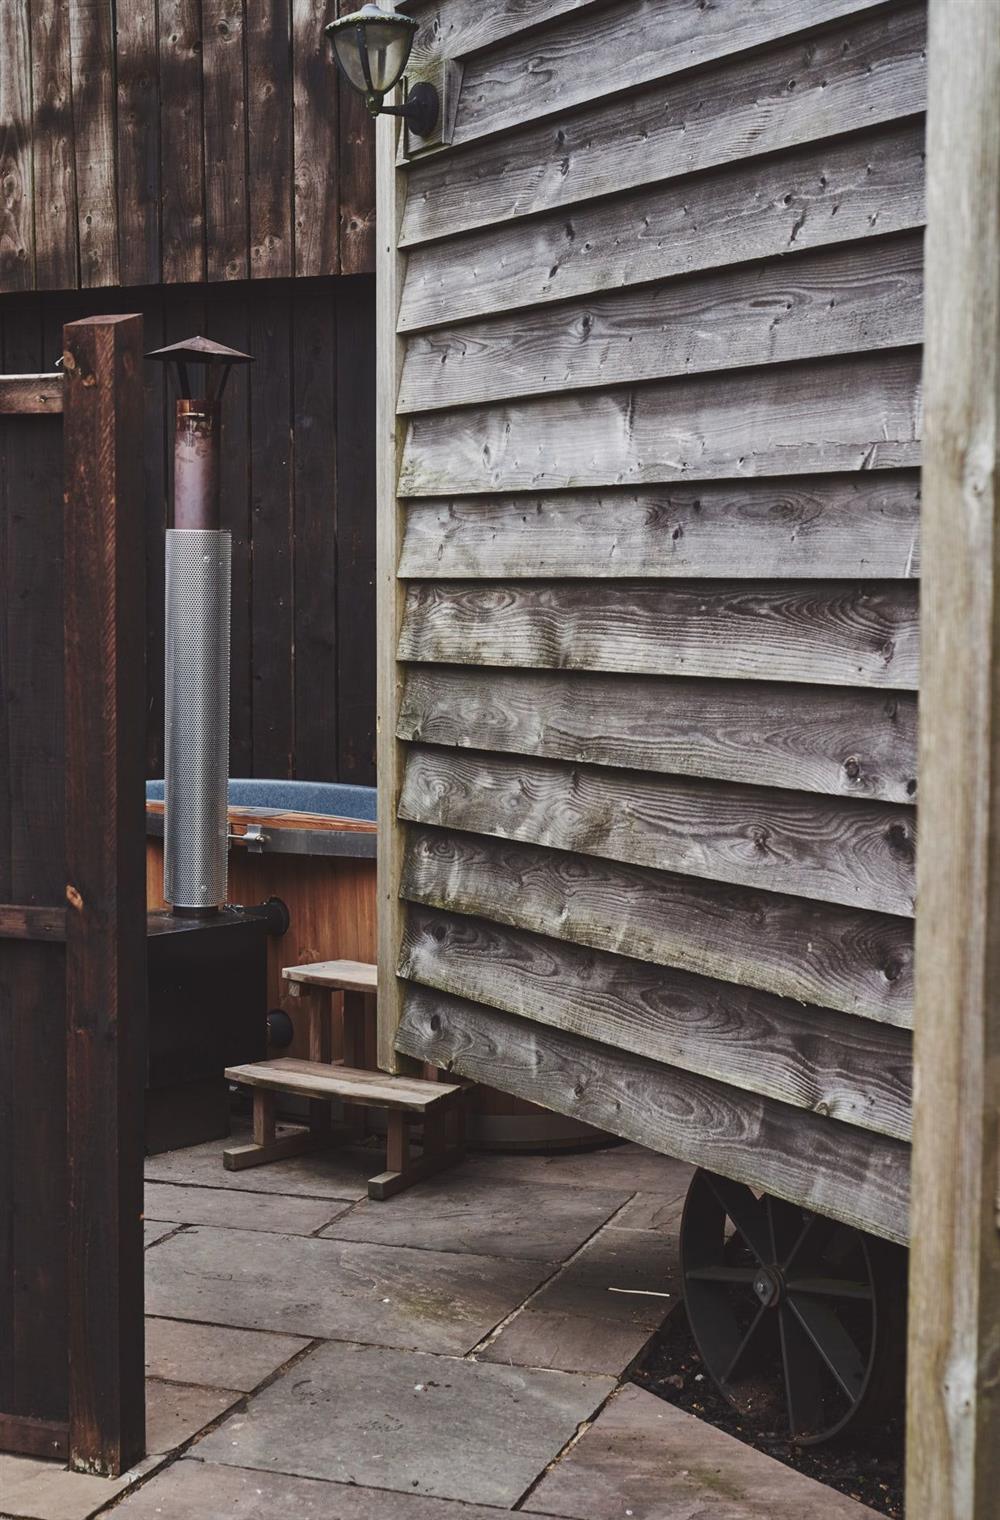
column 835, row 1169
column 853, row 413
column 813, row 739
column 861, row 963
column 811, row 306
column 828, row 633
column 812, row 197
column 595, row 50
column 860, row 854
column 865, row 525
column 855, row 75
column 829, row 1063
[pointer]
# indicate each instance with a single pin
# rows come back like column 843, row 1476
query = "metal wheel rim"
column 771, row 1285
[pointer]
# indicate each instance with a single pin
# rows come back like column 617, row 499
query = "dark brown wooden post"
column 106, row 918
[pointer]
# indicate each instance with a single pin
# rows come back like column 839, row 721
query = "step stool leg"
column 264, row 1105
column 319, row 1004
column 439, row 1151
column 267, row 1145
column 354, row 1055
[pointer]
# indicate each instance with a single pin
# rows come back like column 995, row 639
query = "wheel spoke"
column 831, row 1287
column 803, row 1380
column 756, row 1325
column 787, row 1227
column 832, row 1341
column 746, row 1212
column 722, row 1274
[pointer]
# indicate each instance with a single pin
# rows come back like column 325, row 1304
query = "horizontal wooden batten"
column 812, row 1058
column 827, row 633
column 810, row 739
column 852, row 526
column 608, row 48
column 816, row 305
column 857, row 413
column 847, row 1174
column 39, row 395
column 25, row 1436
column 860, row 854
column 467, row 26
column 866, row 71
column 30, row 922
column 861, row 963
column 814, row 197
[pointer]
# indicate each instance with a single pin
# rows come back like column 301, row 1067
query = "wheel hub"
column 769, row 1286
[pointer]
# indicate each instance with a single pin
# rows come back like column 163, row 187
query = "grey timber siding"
column 650, row 707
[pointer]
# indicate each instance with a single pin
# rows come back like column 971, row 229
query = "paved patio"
column 451, row 1354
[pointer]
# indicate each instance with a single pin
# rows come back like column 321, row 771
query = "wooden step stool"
column 438, row 1104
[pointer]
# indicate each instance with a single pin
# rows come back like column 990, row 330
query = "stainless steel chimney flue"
column 198, row 590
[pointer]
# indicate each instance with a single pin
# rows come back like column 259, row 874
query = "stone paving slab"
column 616, row 1276
column 193, row 1490
column 410, row 1422
column 46, row 1491
column 570, row 1342
column 380, row 1295
column 645, row 1459
column 337, row 1173
column 629, row 1168
column 215, row 1356
column 651, row 1211
column 177, row 1411
column 240, row 1211
column 457, row 1212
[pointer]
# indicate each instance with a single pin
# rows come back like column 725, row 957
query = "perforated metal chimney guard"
column 198, row 581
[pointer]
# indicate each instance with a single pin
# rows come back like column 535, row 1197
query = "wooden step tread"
column 317, row 1079
column 341, row 976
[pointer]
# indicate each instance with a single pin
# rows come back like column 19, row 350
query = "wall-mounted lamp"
column 372, row 48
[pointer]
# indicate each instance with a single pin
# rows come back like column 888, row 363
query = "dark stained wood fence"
column 72, row 907
column 298, row 495
column 178, row 141
column 649, row 684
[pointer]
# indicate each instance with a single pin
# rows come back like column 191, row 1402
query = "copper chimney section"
column 198, row 589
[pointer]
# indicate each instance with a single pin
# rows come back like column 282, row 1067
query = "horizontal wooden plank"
column 860, row 854
column 459, row 27
column 31, row 394
column 846, row 300
column 827, row 632
column 847, row 1174
column 858, row 413
column 19, row 921
column 319, row 1079
column 342, row 976
column 868, row 70
column 852, row 526
column 861, row 963
column 810, row 739
column 812, row 197
column 582, row 57
column 25, row 1436
column 813, row 1058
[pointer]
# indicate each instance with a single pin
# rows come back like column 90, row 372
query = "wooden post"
column 106, row 894
column 953, row 1470
column 390, row 199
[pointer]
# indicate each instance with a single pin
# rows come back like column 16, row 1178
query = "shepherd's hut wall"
column 659, row 317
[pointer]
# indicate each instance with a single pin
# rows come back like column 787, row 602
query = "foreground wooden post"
column 954, row 1369
column 106, row 893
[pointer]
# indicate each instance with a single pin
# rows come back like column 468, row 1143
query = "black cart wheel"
column 798, row 1319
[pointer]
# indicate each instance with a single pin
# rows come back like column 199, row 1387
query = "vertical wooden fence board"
column 355, row 493
column 138, row 76
column 17, row 241
column 316, row 535
column 52, row 146
column 269, row 123
column 225, row 139
column 356, row 181
column 316, row 146
column 182, row 141
column 954, row 1362
column 94, row 137
column 227, row 320
column 271, row 507
column 105, row 874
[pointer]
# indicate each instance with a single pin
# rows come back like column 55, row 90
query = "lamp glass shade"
column 388, row 40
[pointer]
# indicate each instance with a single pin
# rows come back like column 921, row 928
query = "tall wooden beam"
column 954, row 1377
column 105, row 875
